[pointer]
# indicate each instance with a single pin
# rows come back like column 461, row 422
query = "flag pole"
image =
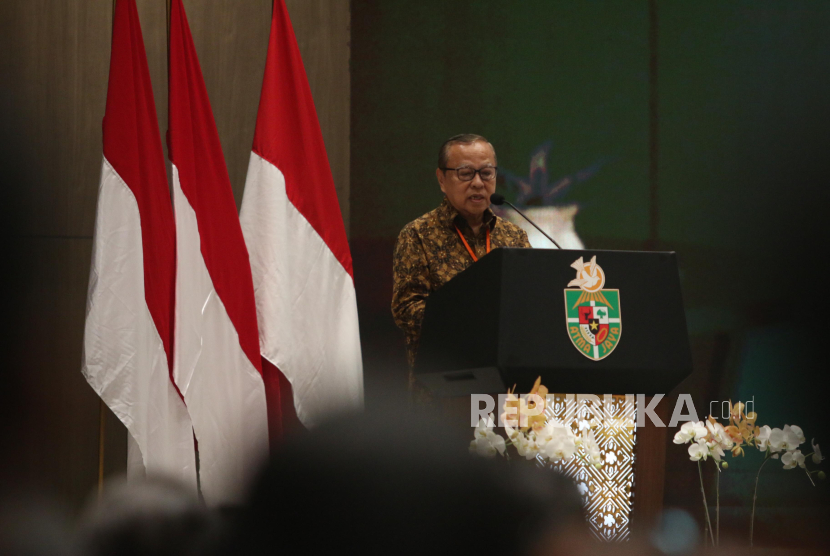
column 195, row 441
column 101, row 426
column 168, row 36
column 102, row 407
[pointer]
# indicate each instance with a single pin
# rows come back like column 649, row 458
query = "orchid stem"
column 705, row 534
column 717, row 506
column 705, row 506
column 754, row 498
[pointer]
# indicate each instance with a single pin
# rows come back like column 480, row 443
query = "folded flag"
column 128, row 338
column 217, row 364
column 300, row 259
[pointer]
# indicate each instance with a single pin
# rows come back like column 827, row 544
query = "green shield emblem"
column 592, row 313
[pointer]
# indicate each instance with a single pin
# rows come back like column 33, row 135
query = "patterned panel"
column 606, row 492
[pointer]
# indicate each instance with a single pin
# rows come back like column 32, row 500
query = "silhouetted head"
column 386, row 483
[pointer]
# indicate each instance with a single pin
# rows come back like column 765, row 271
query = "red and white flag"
column 128, row 339
column 300, row 259
column 217, row 364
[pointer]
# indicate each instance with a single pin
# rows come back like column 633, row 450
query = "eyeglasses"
column 465, row 173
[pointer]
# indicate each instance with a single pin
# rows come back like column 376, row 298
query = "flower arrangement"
column 533, row 434
column 712, row 439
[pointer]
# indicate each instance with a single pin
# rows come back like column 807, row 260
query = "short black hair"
column 463, row 138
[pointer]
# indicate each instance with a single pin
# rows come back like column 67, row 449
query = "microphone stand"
column 505, row 201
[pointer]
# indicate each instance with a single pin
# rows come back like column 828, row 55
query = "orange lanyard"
column 467, row 245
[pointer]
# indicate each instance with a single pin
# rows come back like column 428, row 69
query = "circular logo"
column 594, row 279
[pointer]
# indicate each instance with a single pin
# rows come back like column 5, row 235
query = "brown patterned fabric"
column 429, row 254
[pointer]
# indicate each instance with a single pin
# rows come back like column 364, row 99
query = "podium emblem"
column 592, row 313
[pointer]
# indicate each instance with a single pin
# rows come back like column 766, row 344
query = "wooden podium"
column 510, row 318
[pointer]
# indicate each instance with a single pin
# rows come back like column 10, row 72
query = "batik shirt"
column 429, row 253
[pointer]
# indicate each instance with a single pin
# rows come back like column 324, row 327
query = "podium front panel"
column 508, row 312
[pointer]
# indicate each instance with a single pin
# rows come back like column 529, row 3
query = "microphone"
column 498, row 199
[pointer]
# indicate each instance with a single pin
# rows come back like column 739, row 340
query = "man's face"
column 470, row 198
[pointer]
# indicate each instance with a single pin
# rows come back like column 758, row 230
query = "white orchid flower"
column 698, row 451
column 776, row 440
column 791, row 459
column 488, row 447
column 552, row 429
column 680, row 437
column 715, row 450
column 487, row 443
column 793, row 437
column 699, row 430
column 685, row 434
column 530, row 444
column 800, row 433
column 484, row 427
column 561, row 445
column 720, row 436
column 816, row 452
column 511, row 433
column 526, row 446
column 545, row 434
column 762, row 439
column 560, row 448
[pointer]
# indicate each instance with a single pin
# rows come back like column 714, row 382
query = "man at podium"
column 432, row 249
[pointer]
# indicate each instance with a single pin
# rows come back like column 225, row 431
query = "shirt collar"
column 449, row 216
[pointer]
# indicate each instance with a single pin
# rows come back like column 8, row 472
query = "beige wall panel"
column 231, row 40
column 56, row 62
column 61, row 420
column 59, row 66
column 323, row 30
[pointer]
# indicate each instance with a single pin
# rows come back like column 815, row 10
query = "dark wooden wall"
column 54, row 62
